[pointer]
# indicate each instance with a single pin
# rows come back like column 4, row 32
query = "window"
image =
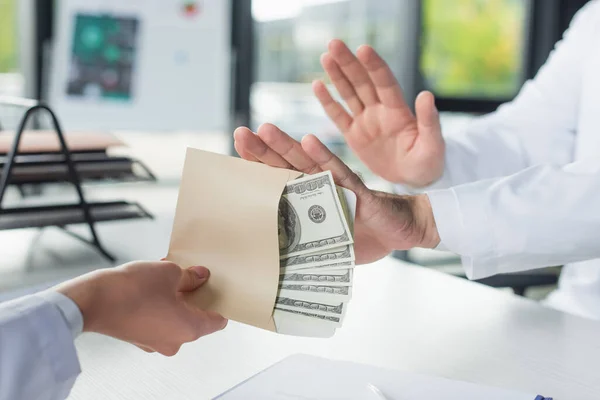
column 474, row 48
column 471, row 53
column 290, row 37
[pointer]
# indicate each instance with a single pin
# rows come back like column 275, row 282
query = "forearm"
column 482, row 151
column 531, row 130
column 490, row 148
column 539, row 217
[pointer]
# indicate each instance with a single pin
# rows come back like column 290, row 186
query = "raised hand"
column 380, row 128
column 383, row 222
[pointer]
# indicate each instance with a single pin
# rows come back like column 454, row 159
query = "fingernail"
column 201, row 272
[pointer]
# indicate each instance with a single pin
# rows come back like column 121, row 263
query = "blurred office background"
column 186, row 73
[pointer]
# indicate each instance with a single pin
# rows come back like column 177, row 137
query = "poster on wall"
column 103, row 56
column 141, row 64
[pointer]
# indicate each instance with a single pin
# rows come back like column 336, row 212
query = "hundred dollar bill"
column 329, row 318
column 341, row 290
column 318, row 268
column 334, row 309
column 330, row 278
column 317, row 293
column 311, row 217
column 318, row 259
column 326, row 267
column 305, row 324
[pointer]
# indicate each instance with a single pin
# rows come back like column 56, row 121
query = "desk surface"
column 401, row 317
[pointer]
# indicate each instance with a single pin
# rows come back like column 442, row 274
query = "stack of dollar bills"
column 316, row 248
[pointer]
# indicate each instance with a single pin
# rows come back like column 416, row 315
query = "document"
column 308, row 377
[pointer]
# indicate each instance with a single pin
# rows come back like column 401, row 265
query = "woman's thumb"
column 192, row 278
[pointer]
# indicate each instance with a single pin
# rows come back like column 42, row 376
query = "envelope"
column 226, row 220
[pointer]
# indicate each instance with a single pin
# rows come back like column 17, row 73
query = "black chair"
column 519, row 282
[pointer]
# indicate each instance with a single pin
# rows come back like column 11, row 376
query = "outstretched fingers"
column 326, row 160
column 334, row 110
column 287, row 148
column 387, row 87
column 354, row 72
column 252, row 148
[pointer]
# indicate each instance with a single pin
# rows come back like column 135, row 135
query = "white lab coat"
column 528, row 176
column 38, row 360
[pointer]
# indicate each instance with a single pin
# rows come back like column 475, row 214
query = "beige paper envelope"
column 226, row 220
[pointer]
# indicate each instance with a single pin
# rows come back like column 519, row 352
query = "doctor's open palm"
column 380, row 128
column 383, row 222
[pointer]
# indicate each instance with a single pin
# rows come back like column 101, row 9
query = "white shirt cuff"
column 446, row 213
column 69, row 310
column 466, row 233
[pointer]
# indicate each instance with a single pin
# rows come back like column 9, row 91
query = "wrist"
column 424, row 221
column 87, row 292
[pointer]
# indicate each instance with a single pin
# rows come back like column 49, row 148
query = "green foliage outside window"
column 8, row 36
column 473, row 48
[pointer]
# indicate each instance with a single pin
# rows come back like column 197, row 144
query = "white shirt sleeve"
column 38, row 360
column 542, row 216
column 537, row 127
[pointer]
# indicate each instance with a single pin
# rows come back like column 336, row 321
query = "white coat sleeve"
column 538, row 126
column 38, row 360
column 542, row 216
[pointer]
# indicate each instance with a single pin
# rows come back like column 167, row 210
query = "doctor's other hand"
column 384, row 222
column 143, row 303
column 380, row 128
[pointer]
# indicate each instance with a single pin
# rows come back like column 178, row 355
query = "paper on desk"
column 308, row 377
column 226, row 220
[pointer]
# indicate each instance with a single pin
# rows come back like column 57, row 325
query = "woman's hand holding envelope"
column 143, row 303
column 383, row 223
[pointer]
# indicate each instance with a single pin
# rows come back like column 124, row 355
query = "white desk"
column 400, row 317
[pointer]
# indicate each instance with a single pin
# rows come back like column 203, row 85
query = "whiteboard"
column 141, row 64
